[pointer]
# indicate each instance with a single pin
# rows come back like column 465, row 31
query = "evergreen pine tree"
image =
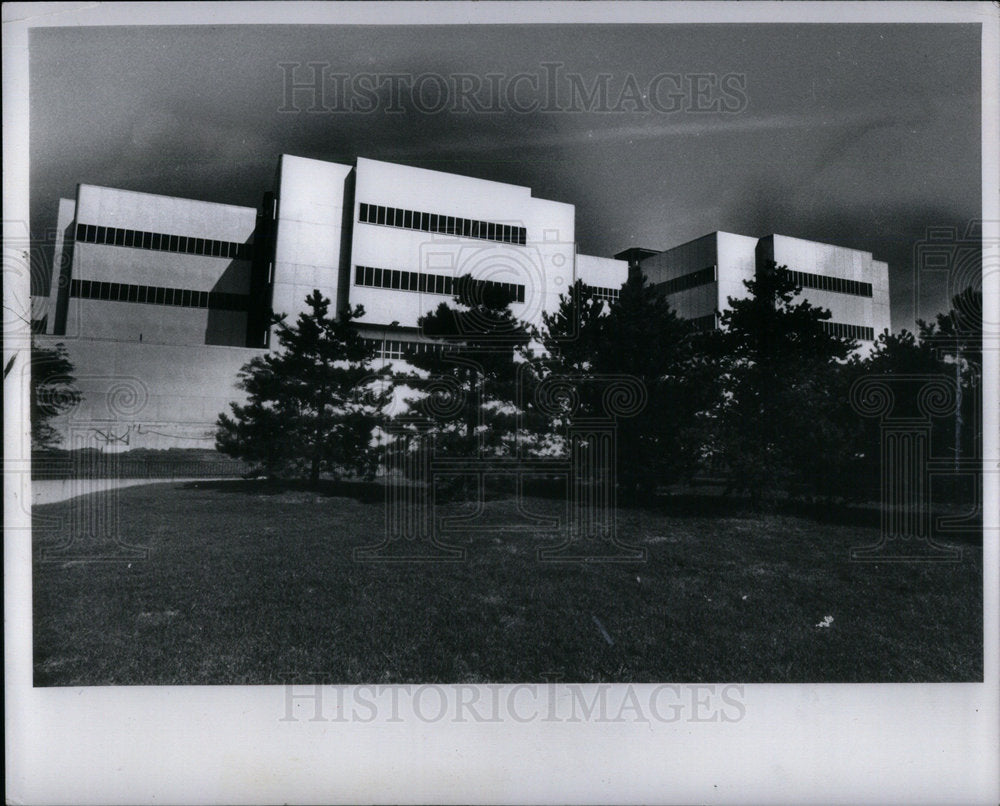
column 312, row 404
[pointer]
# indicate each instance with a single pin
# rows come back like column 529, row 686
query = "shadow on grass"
column 867, row 516
column 362, row 491
column 680, row 505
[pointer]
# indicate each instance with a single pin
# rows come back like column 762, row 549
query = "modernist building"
column 700, row 276
column 161, row 300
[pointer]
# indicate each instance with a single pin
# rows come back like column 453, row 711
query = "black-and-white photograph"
column 523, row 369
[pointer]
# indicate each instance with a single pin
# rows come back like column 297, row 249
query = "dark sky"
column 859, row 135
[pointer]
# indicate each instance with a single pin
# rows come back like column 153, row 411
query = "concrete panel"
column 122, row 264
column 603, row 272
column 310, row 231
column 737, row 263
column 158, row 324
column 438, row 192
column 680, row 260
column 149, row 212
column 545, row 265
column 151, row 395
column 62, row 267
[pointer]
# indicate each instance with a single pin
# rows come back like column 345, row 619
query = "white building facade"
column 699, row 277
column 161, row 300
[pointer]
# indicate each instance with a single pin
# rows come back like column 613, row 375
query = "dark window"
column 397, row 217
column 363, row 212
column 380, row 212
column 133, row 293
column 395, row 279
column 359, row 275
column 378, row 278
column 408, row 219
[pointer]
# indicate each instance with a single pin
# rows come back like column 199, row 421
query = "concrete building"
column 161, row 300
column 699, row 277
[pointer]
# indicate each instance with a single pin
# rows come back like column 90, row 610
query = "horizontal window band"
column 686, row 281
column 820, row 282
column 597, row 292
column 395, row 348
column 162, row 242
column 824, row 282
column 442, row 224
column 860, row 332
column 399, row 280
column 157, row 295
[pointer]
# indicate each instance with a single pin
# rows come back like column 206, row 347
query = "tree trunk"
column 471, row 410
column 314, row 473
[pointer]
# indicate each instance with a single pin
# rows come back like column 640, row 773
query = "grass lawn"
column 246, row 584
